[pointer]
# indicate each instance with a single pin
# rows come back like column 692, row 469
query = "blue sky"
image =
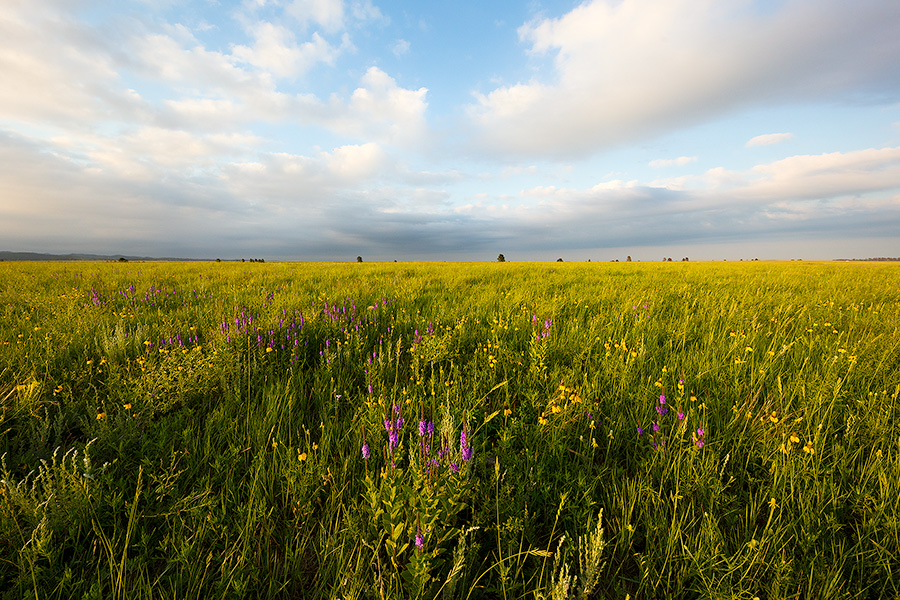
column 451, row 130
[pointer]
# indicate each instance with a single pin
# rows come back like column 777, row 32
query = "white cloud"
column 329, row 14
column 636, row 68
column 400, row 48
column 672, row 162
column 769, row 139
column 276, row 51
column 380, row 109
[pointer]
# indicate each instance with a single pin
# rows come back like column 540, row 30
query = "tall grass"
column 674, row 430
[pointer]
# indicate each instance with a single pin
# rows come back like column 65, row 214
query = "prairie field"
column 461, row 430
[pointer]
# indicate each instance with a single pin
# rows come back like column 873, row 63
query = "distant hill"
column 6, row 255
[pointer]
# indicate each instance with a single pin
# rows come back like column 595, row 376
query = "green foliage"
column 673, row 430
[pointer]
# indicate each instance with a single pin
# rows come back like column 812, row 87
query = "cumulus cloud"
column 276, row 51
column 380, row 109
column 632, row 69
column 769, row 139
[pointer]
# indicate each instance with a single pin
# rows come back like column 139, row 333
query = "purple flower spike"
column 420, row 539
column 640, row 431
column 365, row 451
column 423, row 428
column 465, row 447
column 662, row 399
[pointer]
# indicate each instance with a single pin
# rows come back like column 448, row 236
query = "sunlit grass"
column 672, row 430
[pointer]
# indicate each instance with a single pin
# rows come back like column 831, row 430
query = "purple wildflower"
column 423, row 428
column 640, row 431
column 656, row 427
column 420, row 539
column 365, row 451
column 465, row 447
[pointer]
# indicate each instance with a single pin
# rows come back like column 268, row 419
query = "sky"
column 451, row 129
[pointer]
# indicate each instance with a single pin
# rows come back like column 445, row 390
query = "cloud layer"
column 263, row 129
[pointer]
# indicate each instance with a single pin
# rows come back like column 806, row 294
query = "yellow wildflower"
column 808, row 448
column 301, row 456
column 101, row 414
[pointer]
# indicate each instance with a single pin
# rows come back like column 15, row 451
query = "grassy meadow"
column 562, row 430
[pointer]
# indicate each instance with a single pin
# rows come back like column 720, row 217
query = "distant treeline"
column 880, row 258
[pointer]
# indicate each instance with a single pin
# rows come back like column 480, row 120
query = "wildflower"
column 423, row 428
column 808, row 448
column 301, row 456
column 507, row 412
column 794, row 439
column 465, row 447
column 640, row 431
column 420, row 539
column 542, row 420
column 365, row 451
column 699, row 437
column 101, row 414
column 656, row 426
column 773, row 417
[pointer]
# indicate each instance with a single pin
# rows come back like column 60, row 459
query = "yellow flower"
column 301, row 456
column 748, row 349
column 542, row 420
column 773, row 417
column 268, row 349
column 808, row 448
column 315, row 446
column 274, row 444
column 100, row 414
column 556, row 408
column 794, row 439
column 127, row 406
column 507, row 412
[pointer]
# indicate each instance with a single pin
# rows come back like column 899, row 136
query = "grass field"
column 291, row 430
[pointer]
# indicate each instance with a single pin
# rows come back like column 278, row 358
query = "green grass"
column 196, row 430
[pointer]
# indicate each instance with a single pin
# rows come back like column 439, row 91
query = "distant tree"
column 359, row 259
column 670, row 259
column 628, row 259
column 123, row 259
column 501, row 258
column 559, row 260
column 218, row 260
